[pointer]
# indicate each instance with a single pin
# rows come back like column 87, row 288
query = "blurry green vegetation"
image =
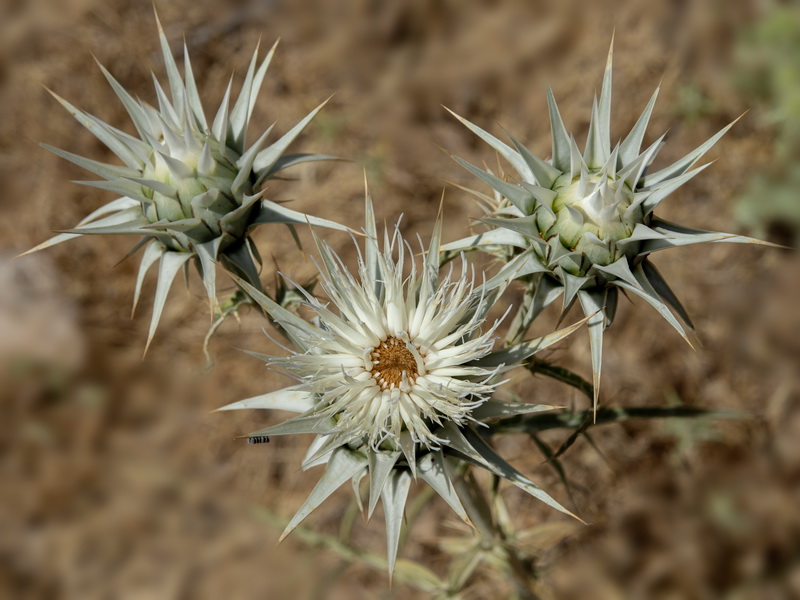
column 768, row 73
column 694, row 104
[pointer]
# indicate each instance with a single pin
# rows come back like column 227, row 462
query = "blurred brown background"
column 117, row 482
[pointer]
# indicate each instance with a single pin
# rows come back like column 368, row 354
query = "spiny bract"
column 193, row 190
column 582, row 224
column 396, row 380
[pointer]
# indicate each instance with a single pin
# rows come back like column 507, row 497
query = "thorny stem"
column 573, row 420
column 561, row 374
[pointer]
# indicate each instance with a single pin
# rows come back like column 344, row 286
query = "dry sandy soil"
column 116, row 480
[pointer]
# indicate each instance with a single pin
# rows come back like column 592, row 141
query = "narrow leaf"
column 174, row 76
column 544, row 173
column 272, row 212
column 562, row 151
column 516, row 161
column 519, row 197
column 684, row 164
column 267, row 158
column 380, row 467
column 343, row 465
column 289, row 399
column 207, row 254
column 505, row 470
column 394, row 495
column 629, row 149
column 96, row 167
column 494, row 237
column 496, row 409
column 665, row 292
column 592, row 305
column 645, row 290
column 516, row 354
column 154, row 251
column 290, row 160
column 433, row 469
column 604, row 108
column 171, row 262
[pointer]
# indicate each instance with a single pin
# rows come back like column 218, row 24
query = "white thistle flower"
column 395, row 359
column 581, row 225
column 192, row 189
column 393, row 375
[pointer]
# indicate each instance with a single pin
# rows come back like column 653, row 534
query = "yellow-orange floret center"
column 391, row 361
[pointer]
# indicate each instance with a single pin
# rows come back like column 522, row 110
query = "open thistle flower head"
column 395, row 360
column 191, row 187
column 582, row 224
column 394, row 374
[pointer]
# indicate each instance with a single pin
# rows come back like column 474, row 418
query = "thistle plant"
column 192, row 188
column 399, row 373
column 398, row 380
column 581, row 225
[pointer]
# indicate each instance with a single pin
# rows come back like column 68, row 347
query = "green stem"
column 569, row 419
column 536, row 365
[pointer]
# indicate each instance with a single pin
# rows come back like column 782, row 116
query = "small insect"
column 258, row 439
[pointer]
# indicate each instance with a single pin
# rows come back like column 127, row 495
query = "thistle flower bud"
column 581, row 225
column 191, row 188
column 590, row 215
